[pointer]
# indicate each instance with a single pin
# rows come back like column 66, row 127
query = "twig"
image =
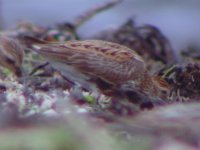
column 38, row 67
column 78, row 21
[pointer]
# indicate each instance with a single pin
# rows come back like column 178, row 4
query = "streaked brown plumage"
column 11, row 54
column 84, row 61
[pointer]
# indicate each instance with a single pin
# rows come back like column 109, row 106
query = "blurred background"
column 179, row 20
column 28, row 108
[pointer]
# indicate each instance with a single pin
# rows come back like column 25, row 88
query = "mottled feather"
column 96, row 58
column 83, row 61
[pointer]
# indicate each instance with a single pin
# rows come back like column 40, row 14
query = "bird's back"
column 109, row 61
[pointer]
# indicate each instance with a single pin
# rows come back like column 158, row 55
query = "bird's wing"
column 111, row 62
